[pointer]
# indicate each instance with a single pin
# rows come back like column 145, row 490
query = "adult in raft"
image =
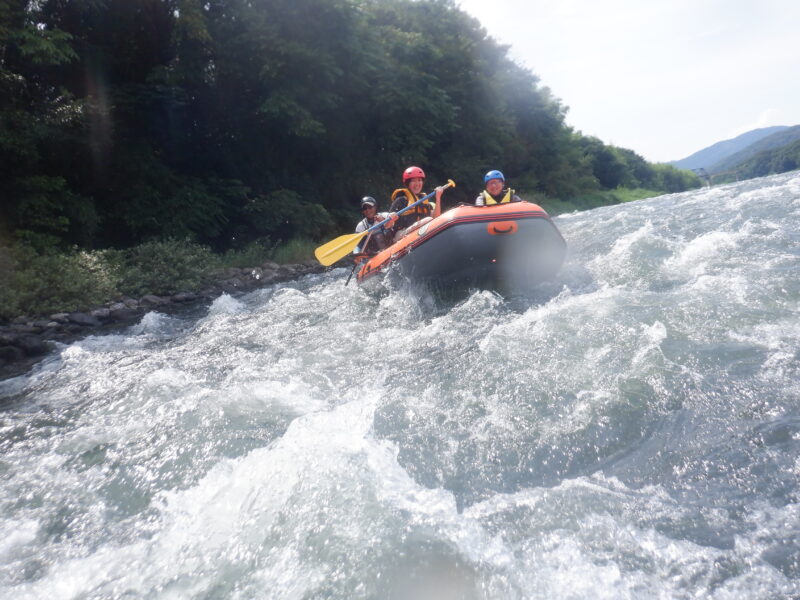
column 413, row 180
column 495, row 190
column 375, row 241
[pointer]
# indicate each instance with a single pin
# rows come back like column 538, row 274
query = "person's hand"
column 392, row 220
column 439, row 191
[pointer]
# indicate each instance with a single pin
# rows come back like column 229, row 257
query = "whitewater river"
column 631, row 432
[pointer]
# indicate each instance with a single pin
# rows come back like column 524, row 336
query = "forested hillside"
column 228, row 121
column 784, row 137
column 767, row 162
column 710, row 156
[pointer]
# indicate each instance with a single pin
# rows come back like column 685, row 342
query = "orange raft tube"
column 504, row 247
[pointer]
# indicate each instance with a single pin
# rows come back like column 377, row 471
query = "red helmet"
column 412, row 172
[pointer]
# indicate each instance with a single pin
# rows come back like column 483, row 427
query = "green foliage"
column 283, row 214
column 252, row 254
column 47, row 212
column 767, row 162
column 228, row 121
column 618, row 167
column 294, row 251
column 34, row 283
column 163, row 267
column 40, row 283
column 43, row 47
column 672, row 180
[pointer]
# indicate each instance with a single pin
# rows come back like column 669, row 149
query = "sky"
column 664, row 78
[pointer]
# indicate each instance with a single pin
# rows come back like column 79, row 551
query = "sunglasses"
column 366, row 207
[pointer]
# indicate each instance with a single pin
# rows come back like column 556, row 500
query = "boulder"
column 269, row 277
column 11, row 353
column 230, row 286
column 121, row 315
column 30, row 328
column 32, row 345
column 79, row 318
column 150, row 300
column 101, row 314
column 184, row 297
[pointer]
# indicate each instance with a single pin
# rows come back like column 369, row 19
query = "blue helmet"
column 495, row 174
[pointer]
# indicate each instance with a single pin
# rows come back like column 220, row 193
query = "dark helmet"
column 494, row 174
column 412, row 173
column 368, row 201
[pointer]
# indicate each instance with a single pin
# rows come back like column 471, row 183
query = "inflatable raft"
column 504, row 247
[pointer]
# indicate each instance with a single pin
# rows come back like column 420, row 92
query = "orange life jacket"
column 420, row 211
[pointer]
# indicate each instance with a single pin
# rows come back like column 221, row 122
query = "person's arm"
column 437, row 209
column 392, row 216
column 398, row 204
column 479, row 201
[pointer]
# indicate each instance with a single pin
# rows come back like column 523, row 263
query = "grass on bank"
column 35, row 284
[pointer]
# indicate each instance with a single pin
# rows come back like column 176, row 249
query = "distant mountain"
column 775, row 141
column 707, row 157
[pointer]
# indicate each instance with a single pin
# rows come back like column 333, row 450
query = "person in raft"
column 413, row 180
column 374, row 241
column 495, row 190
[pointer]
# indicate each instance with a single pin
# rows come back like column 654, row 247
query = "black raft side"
column 465, row 253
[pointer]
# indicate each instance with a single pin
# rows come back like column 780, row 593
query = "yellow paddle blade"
column 329, row 253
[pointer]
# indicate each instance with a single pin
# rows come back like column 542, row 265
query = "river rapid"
column 632, row 431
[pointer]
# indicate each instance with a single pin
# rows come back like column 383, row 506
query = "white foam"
column 225, row 305
column 15, row 536
column 702, row 254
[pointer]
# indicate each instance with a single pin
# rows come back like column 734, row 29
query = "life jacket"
column 419, row 211
column 375, row 240
column 487, row 197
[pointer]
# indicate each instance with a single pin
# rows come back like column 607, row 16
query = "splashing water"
column 633, row 433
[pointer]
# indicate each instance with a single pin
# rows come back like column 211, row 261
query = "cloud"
column 768, row 118
column 664, row 78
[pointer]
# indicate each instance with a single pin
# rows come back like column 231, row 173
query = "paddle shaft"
column 409, row 207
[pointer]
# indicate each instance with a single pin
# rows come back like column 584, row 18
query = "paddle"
column 329, row 253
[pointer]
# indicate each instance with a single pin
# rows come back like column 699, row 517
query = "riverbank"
column 25, row 340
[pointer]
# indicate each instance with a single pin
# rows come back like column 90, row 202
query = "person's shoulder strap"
column 406, row 192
